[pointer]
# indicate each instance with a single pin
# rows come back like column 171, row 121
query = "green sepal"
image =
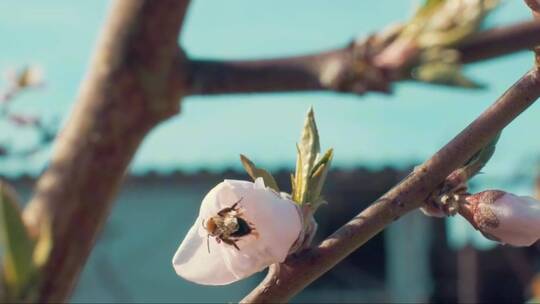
column 317, row 179
column 442, row 23
column 298, row 180
column 19, row 269
column 480, row 158
column 308, row 152
column 44, row 243
column 311, row 168
column 426, row 9
column 444, row 74
column 293, row 186
column 309, row 149
column 442, row 66
column 256, row 172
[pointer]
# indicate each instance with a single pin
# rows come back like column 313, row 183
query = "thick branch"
column 335, row 70
column 133, row 84
column 287, row 279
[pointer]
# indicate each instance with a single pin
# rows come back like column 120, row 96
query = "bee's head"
column 210, row 226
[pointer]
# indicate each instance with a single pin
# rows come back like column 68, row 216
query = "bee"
column 228, row 226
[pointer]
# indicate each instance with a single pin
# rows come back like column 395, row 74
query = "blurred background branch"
column 334, row 70
column 27, row 78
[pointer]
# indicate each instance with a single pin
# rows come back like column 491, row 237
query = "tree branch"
column 301, row 73
column 335, row 70
column 534, row 5
column 500, row 41
column 285, row 280
column 135, row 82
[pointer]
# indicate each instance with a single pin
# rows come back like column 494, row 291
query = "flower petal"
column 275, row 223
column 277, row 220
column 193, row 262
column 519, row 218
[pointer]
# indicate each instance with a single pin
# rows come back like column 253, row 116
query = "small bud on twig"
column 504, row 217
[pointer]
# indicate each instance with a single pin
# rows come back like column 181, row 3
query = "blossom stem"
column 300, row 270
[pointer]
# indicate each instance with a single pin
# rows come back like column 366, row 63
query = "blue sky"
column 372, row 130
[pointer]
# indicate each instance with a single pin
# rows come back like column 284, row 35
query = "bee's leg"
column 253, row 230
column 233, row 207
column 218, row 240
column 231, row 242
column 208, row 242
column 229, row 209
column 224, row 211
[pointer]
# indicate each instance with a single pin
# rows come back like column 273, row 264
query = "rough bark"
column 134, row 82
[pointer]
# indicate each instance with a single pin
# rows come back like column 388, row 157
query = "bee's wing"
column 222, row 199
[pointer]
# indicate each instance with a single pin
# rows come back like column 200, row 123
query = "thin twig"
column 298, row 271
column 335, row 69
column 20, row 81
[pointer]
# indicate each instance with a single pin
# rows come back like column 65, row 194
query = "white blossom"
column 505, row 217
column 236, row 251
